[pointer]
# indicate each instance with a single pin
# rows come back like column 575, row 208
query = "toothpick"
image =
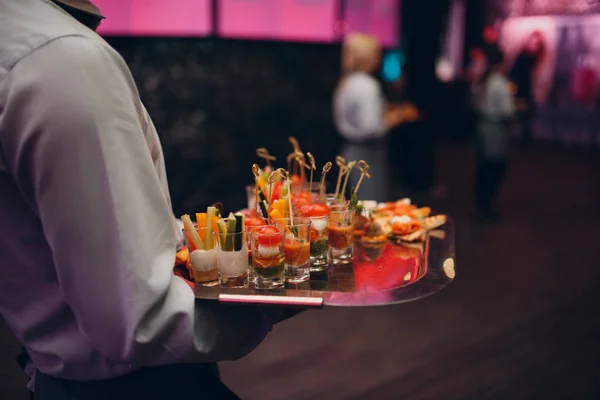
column 289, row 160
column 286, row 176
column 341, row 163
column 271, row 180
column 264, row 154
column 313, row 167
column 326, row 169
column 301, row 162
column 349, row 167
column 256, row 173
column 294, row 143
column 364, row 171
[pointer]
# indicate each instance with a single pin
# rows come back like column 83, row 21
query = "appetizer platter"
column 296, row 244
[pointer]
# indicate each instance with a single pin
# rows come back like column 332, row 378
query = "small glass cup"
column 341, row 235
column 331, row 200
column 232, row 260
column 297, row 250
column 204, row 261
column 268, row 257
column 319, row 243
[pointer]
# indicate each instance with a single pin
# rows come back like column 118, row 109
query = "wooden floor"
column 521, row 321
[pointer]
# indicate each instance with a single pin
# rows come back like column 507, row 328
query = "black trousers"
column 181, row 382
column 490, row 174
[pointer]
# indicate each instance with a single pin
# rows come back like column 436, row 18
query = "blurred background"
column 221, row 78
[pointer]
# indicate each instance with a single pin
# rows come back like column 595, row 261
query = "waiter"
column 87, row 238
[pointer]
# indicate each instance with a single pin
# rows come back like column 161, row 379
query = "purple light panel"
column 379, row 18
column 288, row 20
column 155, row 17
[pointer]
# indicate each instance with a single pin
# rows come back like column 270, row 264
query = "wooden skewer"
column 264, row 154
column 313, row 167
column 349, row 167
column 271, row 180
column 341, row 163
column 301, row 164
column 294, row 143
column 256, row 173
column 364, row 171
column 326, row 169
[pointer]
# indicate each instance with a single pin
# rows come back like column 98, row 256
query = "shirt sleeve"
column 73, row 138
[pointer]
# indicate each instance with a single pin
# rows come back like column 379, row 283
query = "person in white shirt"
column 495, row 108
column 361, row 114
column 87, row 237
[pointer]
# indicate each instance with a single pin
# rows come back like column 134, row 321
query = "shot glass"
column 297, row 249
column 319, row 243
column 331, row 200
column 268, row 257
column 204, row 260
column 341, row 235
column 232, row 260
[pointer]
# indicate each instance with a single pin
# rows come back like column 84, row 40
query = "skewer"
column 296, row 148
column 271, row 180
column 364, row 171
column 313, row 167
column 301, row 163
column 256, row 173
column 341, row 163
column 349, row 167
column 264, row 154
column 326, row 169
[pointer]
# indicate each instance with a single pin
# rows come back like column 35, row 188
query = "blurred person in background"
column 522, row 75
column 495, row 107
column 362, row 115
column 87, row 235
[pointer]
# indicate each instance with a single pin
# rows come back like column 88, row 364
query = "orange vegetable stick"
column 201, row 222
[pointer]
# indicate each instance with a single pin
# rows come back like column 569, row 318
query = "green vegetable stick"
column 239, row 228
column 209, row 242
column 231, row 223
column 222, row 230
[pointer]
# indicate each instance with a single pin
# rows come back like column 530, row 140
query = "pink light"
column 155, row 17
column 295, row 20
column 376, row 17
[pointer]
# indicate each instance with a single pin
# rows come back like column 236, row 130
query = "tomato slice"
column 270, row 236
column 298, row 202
column 305, row 210
column 318, row 210
column 251, row 222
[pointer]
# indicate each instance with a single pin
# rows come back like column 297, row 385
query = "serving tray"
column 383, row 274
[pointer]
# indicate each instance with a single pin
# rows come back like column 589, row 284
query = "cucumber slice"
column 222, row 230
column 231, row 225
column 239, row 228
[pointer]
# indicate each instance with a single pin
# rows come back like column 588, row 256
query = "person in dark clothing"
column 522, row 74
column 495, row 108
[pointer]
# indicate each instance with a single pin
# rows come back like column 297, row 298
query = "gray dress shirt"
column 87, row 240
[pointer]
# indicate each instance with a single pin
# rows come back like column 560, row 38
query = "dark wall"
column 215, row 101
